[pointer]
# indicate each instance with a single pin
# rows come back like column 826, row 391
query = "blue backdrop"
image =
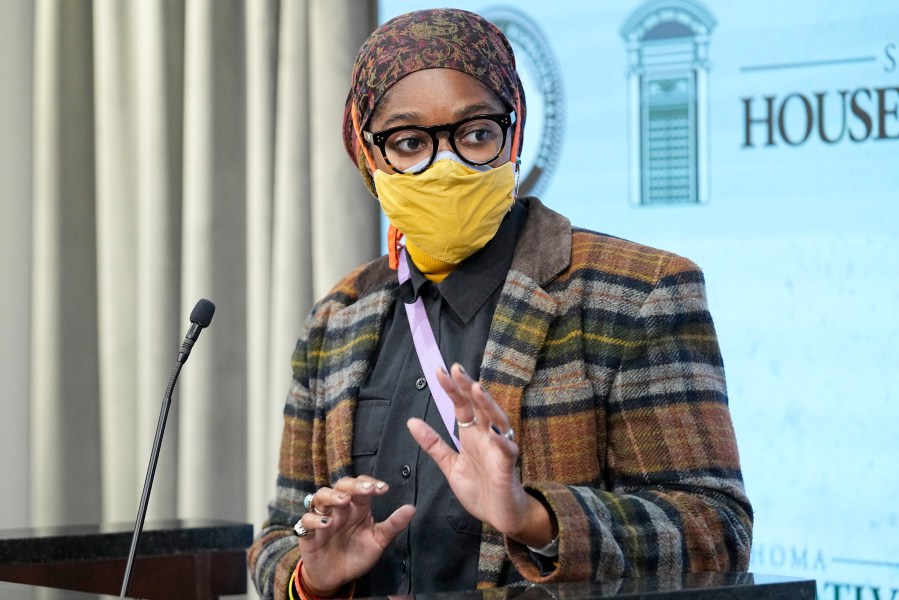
column 761, row 140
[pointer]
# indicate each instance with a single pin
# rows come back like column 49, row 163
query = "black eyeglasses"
column 411, row 149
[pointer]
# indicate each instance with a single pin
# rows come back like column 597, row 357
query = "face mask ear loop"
column 393, row 234
column 516, row 138
column 359, row 143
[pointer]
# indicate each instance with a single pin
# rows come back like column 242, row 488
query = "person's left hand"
column 482, row 474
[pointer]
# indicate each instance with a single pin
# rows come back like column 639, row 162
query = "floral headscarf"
column 429, row 39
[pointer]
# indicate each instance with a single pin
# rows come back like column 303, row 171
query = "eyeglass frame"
column 379, row 138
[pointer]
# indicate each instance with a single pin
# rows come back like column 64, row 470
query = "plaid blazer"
column 603, row 354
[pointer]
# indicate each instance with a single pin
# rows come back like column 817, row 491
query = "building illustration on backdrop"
column 668, row 102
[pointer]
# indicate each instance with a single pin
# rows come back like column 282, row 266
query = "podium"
column 207, row 559
column 701, row 586
column 191, row 559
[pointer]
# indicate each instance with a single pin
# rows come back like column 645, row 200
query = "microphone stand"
column 148, row 481
column 200, row 317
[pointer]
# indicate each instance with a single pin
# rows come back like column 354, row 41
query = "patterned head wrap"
column 429, row 39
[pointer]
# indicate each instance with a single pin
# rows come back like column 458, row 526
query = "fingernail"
column 341, row 496
column 443, row 370
column 366, row 485
column 325, row 520
column 381, row 485
column 495, row 429
column 462, row 369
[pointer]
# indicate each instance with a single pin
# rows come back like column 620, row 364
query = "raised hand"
column 347, row 541
column 482, row 474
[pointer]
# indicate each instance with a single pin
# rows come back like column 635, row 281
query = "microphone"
column 200, row 317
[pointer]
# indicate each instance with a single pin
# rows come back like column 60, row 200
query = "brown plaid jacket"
column 604, row 356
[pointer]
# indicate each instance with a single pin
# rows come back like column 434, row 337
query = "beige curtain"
column 182, row 149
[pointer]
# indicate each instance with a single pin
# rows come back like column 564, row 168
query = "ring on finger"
column 322, row 513
column 302, row 531
column 510, row 434
column 474, row 421
column 307, row 501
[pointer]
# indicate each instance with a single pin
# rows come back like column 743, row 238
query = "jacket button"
column 406, row 471
column 421, row 383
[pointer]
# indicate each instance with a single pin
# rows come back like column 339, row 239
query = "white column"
column 701, row 68
column 633, row 118
column 212, row 433
column 345, row 216
column 65, row 435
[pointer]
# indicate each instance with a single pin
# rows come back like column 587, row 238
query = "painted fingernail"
column 381, row 485
column 341, row 496
column 462, row 369
column 495, row 429
column 443, row 370
column 325, row 520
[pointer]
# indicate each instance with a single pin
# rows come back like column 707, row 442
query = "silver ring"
column 302, row 531
column 307, row 502
column 462, row 425
column 509, row 435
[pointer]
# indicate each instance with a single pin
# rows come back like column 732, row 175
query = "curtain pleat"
column 212, row 450
column 65, row 419
column 183, row 149
column 117, row 250
column 158, row 30
column 341, row 207
column 262, row 88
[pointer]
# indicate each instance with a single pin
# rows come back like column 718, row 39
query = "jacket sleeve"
column 671, row 497
column 275, row 552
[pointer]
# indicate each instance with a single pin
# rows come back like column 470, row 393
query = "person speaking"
column 504, row 398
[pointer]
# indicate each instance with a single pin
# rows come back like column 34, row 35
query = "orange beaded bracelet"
column 296, row 582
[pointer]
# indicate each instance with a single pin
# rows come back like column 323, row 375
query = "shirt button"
column 435, row 293
column 421, row 383
column 406, row 471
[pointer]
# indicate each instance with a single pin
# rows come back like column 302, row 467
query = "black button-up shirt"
column 439, row 550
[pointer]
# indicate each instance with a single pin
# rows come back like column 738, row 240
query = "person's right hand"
column 347, row 541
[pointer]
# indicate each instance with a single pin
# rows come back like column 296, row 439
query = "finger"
column 493, row 414
column 319, row 525
column 484, row 408
column 462, row 406
column 389, row 528
column 360, row 486
column 430, row 442
column 461, row 378
column 325, row 499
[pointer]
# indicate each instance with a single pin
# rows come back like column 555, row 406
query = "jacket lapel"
column 525, row 310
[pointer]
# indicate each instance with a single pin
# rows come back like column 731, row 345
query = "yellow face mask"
column 449, row 211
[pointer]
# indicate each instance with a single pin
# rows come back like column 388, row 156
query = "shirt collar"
column 476, row 278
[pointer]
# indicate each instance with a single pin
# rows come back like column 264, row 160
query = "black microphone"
column 200, row 317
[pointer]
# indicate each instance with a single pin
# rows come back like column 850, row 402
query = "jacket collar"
column 544, row 248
